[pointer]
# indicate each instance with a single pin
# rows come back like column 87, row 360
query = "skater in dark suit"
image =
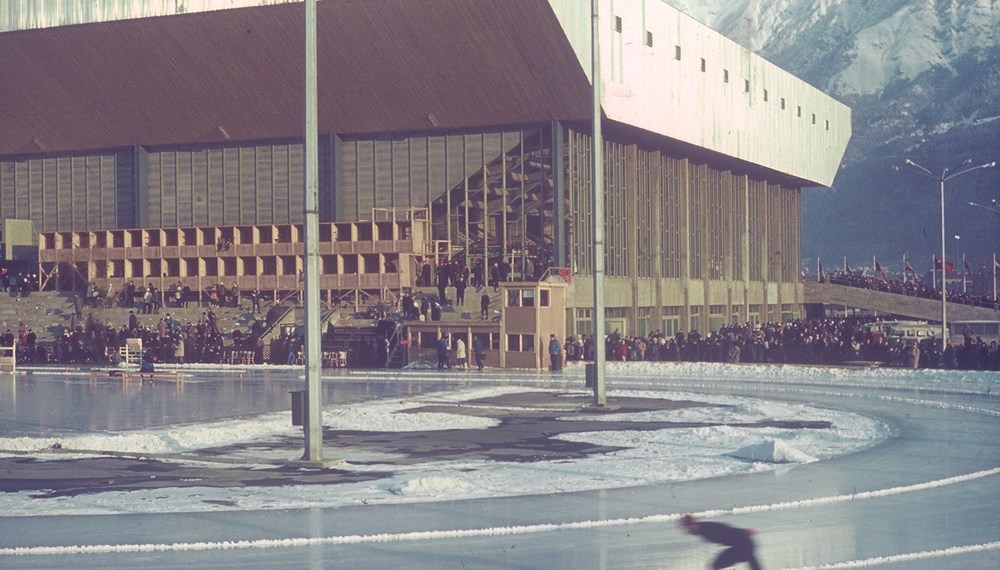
column 741, row 547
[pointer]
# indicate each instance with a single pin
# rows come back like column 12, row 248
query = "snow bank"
column 432, row 486
column 772, row 452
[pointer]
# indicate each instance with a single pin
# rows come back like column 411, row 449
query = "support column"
column 744, row 188
column 656, row 202
column 329, row 180
column 558, row 154
column 140, row 190
column 684, row 182
column 631, row 191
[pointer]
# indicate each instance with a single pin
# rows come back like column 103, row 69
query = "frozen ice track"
column 924, row 499
column 504, row 531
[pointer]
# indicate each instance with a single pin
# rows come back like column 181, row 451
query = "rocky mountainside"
column 923, row 80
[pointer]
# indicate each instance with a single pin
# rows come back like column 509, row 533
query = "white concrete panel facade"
column 668, row 74
column 37, row 14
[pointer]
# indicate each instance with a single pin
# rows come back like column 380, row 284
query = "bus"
column 903, row 330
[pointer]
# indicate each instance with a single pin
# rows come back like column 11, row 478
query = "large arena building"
column 169, row 148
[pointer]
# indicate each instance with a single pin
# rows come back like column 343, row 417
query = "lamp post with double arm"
column 993, row 206
column 945, row 176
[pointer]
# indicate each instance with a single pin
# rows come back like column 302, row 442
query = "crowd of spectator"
column 831, row 341
column 167, row 341
column 912, row 288
column 20, row 285
column 149, row 299
column 816, row 342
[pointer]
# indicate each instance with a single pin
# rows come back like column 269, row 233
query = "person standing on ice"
column 555, row 354
column 741, row 547
column 443, row 349
column 460, row 354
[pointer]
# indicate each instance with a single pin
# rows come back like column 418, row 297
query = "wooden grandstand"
column 359, row 260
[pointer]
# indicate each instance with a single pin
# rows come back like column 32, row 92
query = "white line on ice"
column 526, row 529
column 880, row 560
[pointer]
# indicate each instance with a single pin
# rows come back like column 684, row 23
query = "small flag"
column 910, row 268
column 968, row 270
column 948, row 266
column 878, row 267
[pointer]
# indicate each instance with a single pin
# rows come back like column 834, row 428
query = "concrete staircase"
column 230, row 318
column 49, row 313
column 468, row 311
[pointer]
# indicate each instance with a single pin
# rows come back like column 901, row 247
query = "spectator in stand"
column 461, row 282
column 477, row 274
column 443, row 277
column 495, row 277
column 912, row 288
column 484, row 306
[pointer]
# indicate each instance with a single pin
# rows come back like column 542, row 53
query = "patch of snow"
column 432, row 486
column 775, row 451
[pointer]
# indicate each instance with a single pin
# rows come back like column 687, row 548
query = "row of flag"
column 908, row 269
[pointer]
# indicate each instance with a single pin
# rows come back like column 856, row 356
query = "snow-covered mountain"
column 923, row 80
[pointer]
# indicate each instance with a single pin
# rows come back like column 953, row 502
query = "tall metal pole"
column 598, row 188
column 314, row 395
column 944, row 279
column 944, row 177
column 965, row 275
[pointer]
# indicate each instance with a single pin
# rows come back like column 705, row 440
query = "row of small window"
column 490, row 341
column 725, row 73
column 526, row 298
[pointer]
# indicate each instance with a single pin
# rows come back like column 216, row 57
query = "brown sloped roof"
column 384, row 66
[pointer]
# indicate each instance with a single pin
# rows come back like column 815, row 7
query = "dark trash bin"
column 298, row 407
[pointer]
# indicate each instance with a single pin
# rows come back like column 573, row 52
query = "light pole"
column 600, row 397
column 945, row 176
column 993, row 206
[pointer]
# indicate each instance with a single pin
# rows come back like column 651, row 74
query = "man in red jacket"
column 737, row 539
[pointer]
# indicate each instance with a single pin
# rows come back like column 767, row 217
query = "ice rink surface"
column 924, row 494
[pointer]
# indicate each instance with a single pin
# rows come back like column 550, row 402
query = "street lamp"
column 945, row 176
column 993, row 206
